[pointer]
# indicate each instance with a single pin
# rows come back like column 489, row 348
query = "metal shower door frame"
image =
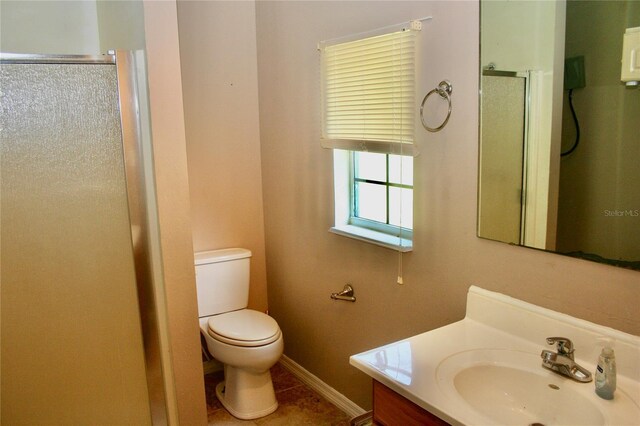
column 139, row 190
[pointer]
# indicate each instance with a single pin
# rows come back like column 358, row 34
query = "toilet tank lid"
column 223, row 255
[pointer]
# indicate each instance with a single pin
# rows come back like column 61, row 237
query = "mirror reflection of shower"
column 511, row 147
column 580, row 141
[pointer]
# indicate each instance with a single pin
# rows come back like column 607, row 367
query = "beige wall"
column 220, row 84
column 54, row 27
column 306, row 262
column 71, row 27
column 165, row 95
column 119, row 24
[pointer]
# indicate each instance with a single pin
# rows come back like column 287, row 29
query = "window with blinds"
column 368, row 89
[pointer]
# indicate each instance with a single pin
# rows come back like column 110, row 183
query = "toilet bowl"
column 247, row 342
column 247, row 391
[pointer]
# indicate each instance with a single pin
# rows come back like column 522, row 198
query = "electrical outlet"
column 574, row 76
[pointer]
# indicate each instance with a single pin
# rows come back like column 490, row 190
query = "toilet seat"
column 245, row 327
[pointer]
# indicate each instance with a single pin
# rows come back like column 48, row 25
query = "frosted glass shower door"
column 502, row 158
column 72, row 349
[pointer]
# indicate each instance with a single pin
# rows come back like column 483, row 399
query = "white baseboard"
column 326, row 391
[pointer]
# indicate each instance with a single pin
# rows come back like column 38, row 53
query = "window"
column 382, row 192
column 374, row 198
column 368, row 93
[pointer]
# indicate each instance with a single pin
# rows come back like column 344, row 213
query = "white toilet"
column 247, row 342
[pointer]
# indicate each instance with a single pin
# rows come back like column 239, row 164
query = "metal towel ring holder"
column 444, row 89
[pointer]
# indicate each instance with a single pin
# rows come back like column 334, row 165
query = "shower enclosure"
column 80, row 325
column 513, row 197
column 502, row 152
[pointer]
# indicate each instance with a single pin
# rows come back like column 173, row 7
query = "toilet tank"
column 222, row 280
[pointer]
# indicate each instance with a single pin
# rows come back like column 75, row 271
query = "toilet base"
column 247, row 395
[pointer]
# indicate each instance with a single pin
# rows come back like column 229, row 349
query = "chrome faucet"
column 563, row 362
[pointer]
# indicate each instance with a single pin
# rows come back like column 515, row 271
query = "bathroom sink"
column 487, row 368
column 510, row 387
column 513, row 396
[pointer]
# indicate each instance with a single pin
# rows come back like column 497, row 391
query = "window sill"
column 373, row 237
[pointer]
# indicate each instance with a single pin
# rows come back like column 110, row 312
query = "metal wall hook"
column 345, row 294
column 444, row 89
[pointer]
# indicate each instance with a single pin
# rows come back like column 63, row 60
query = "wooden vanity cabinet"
column 393, row 409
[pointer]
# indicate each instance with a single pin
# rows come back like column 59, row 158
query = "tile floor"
column 298, row 404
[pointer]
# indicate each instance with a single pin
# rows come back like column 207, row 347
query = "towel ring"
column 444, row 89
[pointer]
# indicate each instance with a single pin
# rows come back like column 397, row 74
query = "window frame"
column 343, row 225
column 356, row 220
column 354, row 138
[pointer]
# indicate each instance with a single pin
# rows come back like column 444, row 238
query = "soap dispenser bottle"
column 605, row 377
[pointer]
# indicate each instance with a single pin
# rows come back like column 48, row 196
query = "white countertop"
column 498, row 322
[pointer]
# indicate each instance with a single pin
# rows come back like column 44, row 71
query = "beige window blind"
column 368, row 89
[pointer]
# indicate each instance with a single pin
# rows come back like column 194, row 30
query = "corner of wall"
column 169, row 145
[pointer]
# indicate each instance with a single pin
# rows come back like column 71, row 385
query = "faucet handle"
column 564, row 345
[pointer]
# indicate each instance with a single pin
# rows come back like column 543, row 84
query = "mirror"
column 559, row 165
